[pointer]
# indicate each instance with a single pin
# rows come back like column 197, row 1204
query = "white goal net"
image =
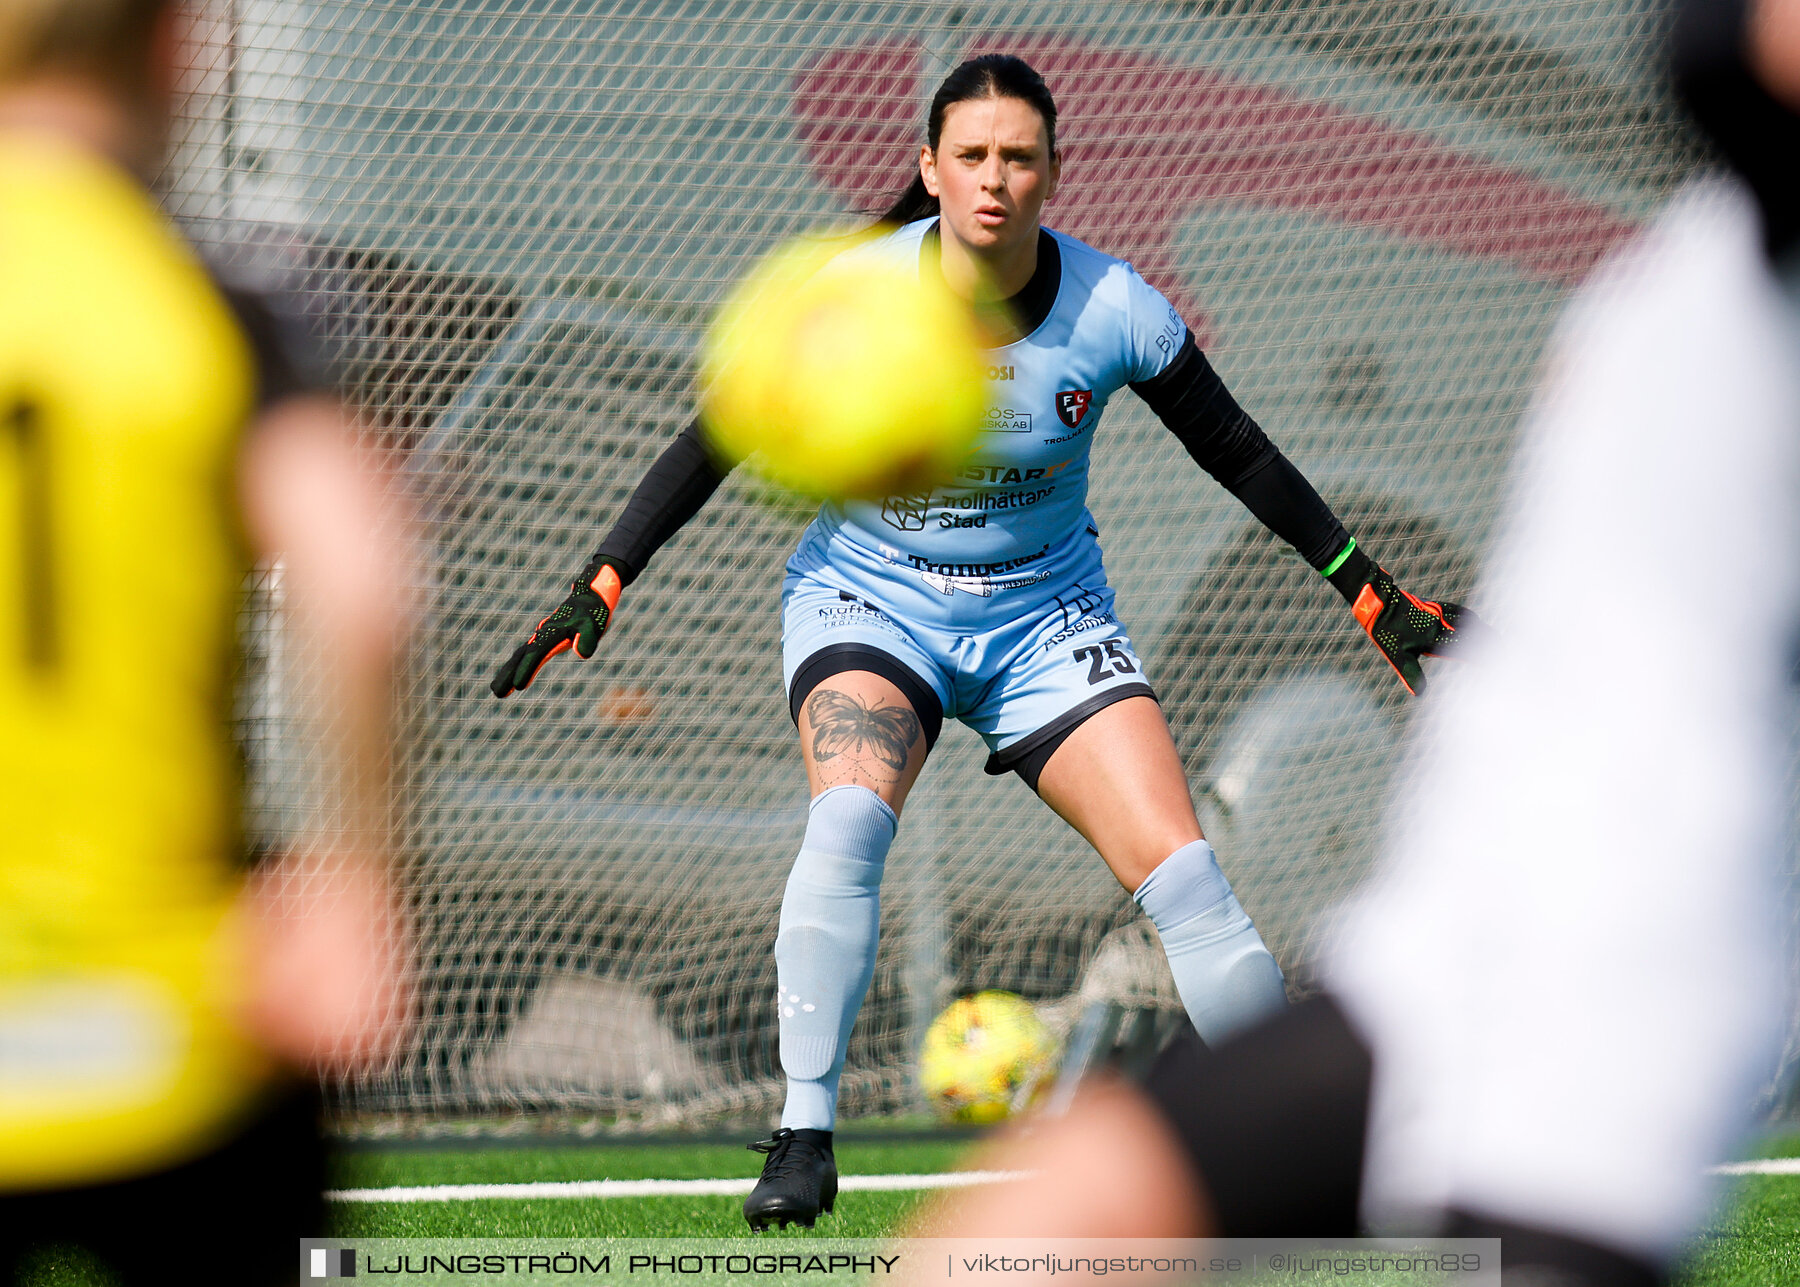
column 509, row 219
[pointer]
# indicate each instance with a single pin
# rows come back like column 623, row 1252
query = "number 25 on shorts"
column 1105, row 660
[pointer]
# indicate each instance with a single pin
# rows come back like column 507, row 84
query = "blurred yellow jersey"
column 126, row 383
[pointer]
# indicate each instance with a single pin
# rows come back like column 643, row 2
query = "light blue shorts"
column 1022, row 661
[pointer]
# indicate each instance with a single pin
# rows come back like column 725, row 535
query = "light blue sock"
column 825, row 948
column 1226, row 977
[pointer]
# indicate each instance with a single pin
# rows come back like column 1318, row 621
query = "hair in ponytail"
column 989, row 76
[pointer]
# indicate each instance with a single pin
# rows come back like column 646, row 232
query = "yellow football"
column 985, row 1056
column 834, row 370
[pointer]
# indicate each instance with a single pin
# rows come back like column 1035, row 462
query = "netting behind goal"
column 510, row 221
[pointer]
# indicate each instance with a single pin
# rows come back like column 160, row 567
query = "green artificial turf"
column 1753, row 1241
column 858, row 1215
column 600, row 1161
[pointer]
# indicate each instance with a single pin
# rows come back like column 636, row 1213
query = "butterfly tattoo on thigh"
column 842, row 725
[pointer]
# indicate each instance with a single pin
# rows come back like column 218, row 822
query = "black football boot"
column 799, row 1180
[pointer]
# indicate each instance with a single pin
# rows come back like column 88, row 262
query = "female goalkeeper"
column 987, row 601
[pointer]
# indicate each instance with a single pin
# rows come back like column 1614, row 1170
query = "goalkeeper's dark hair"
column 989, row 76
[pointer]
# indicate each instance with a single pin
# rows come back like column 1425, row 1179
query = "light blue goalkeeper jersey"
column 1019, row 507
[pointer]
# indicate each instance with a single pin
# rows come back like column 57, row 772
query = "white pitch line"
column 1767, row 1166
column 651, row 1188
column 849, row 1183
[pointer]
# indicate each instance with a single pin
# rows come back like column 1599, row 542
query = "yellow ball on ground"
column 985, row 1056
column 834, row 370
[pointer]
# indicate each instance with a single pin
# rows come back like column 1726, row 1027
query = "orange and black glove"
column 577, row 623
column 1404, row 626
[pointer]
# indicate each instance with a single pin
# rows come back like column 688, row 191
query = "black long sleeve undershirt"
column 671, row 492
column 1188, row 397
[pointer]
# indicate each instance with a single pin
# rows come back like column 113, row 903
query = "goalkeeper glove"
column 577, row 623
column 1403, row 626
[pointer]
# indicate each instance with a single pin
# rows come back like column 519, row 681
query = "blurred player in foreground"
column 155, row 1006
column 1550, row 1011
